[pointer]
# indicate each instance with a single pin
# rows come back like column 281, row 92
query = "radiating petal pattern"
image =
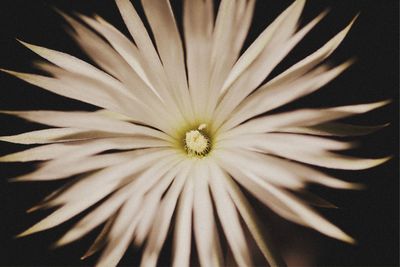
column 185, row 124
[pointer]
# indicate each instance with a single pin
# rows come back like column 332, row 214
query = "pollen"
column 197, row 143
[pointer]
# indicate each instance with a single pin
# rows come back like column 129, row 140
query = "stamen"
column 197, row 143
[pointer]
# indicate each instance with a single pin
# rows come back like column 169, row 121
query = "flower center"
column 197, row 143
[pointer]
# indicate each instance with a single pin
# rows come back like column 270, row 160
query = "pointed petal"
column 229, row 217
column 271, row 96
column 203, row 218
column 162, row 221
column 162, row 22
column 121, row 233
column 335, row 129
column 246, row 211
column 183, row 226
column 85, row 120
column 54, row 135
column 302, row 117
column 261, row 68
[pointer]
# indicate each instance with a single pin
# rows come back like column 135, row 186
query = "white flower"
column 180, row 135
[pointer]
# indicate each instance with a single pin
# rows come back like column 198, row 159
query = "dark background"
column 371, row 216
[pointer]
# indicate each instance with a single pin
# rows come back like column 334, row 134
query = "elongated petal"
column 261, row 68
column 84, row 120
column 282, row 172
column 121, row 233
column 275, row 95
column 50, row 136
column 302, row 117
column 147, row 50
column 111, row 205
column 169, row 45
column 197, row 32
column 70, row 210
column 229, row 217
column 308, row 63
column 100, row 240
column 246, row 211
column 162, row 221
column 251, row 54
column 73, row 64
column 310, row 216
column 203, row 219
column 183, row 226
column 335, row 129
column 122, row 45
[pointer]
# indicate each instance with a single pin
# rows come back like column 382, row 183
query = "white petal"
column 162, row 22
column 273, row 95
column 261, row 68
column 73, row 64
column 203, row 218
column 121, row 233
column 250, row 218
column 162, row 221
column 335, row 129
column 309, row 216
column 229, row 217
column 122, row 45
column 282, row 172
column 85, row 120
column 108, row 207
column 301, row 117
column 256, row 48
column 197, row 32
column 50, row 136
column 152, row 202
column 71, row 209
column 183, row 226
column 314, row 156
column 100, row 240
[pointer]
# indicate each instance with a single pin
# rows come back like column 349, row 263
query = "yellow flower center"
column 197, row 143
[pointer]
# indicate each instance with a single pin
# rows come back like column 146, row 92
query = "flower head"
column 184, row 127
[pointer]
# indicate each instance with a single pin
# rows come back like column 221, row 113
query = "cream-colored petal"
column 153, row 201
column 112, row 204
column 183, row 226
column 258, row 46
column 122, row 45
column 73, row 64
column 203, row 218
column 285, row 140
column 310, row 216
column 271, row 96
column 260, row 69
column 301, row 117
column 95, row 93
column 50, row 136
column 101, row 239
column 282, row 172
column 121, row 233
column 54, row 170
column 69, row 210
column 335, row 129
column 228, row 217
column 263, row 166
column 311, row 61
column 314, row 156
column 250, row 218
column 86, row 120
column 159, row 229
column 169, row 45
column 197, row 35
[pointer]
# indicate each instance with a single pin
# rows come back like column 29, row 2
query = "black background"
column 371, row 216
